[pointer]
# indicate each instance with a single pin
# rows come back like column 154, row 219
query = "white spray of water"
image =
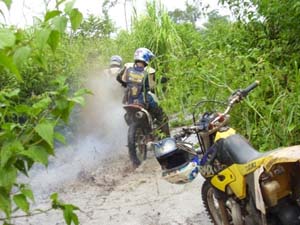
column 102, row 133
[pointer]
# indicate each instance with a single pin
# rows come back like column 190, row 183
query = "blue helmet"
column 116, row 60
column 144, row 55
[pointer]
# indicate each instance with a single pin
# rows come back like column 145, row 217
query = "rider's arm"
column 146, row 83
column 120, row 77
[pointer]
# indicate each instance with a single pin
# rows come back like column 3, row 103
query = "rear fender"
column 282, row 155
column 279, row 164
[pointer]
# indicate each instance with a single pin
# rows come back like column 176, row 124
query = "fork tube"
column 223, row 212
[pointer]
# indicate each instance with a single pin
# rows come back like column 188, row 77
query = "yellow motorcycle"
column 242, row 185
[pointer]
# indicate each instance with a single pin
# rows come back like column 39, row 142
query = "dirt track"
column 115, row 195
column 94, row 173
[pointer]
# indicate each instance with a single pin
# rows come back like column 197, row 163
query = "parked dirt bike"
column 243, row 186
column 140, row 132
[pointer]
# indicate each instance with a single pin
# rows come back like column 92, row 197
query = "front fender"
column 138, row 114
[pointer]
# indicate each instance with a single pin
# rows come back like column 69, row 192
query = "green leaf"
column 7, row 3
column 77, row 99
column 60, row 137
column 83, row 91
column 41, row 61
column 8, row 177
column 7, row 38
column 75, row 219
column 59, row 2
column 46, row 131
column 76, row 19
column 21, row 202
column 69, row 6
column 291, row 127
column 78, row 96
column 9, row 150
column 24, row 109
column 55, row 202
column 21, row 55
column 8, row 63
column 60, row 23
column 10, row 126
column 68, row 214
column 42, row 37
column 50, row 14
column 28, row 193
column 22, row 166
column 59, row 81
column 37, row 154
column 53, row 40
column 54, row 197
column 13, row 93
column 5, row 203
column 42, row 104
column 66, row 113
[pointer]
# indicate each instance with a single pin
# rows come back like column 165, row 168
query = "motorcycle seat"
column 236, row 149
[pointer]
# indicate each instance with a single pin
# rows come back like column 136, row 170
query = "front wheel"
column 137, row 144
column 213, row 208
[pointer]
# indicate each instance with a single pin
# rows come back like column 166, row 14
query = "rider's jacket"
column 148, row 83
column 135, row 79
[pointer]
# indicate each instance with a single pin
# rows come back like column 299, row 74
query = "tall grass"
column 211, row 63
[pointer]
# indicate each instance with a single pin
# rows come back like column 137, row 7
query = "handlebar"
column 179, row 135
column 235, row 98
column 246, row 91
column 186, row 131
column 240, row 94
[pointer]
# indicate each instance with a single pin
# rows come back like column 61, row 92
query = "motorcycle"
column 140, row 132
column 242, row 185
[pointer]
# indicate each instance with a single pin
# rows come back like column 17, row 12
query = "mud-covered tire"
column 209, row 199
column 137, row 144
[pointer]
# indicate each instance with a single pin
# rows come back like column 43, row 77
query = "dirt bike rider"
column 135, row 78
column 115, row 65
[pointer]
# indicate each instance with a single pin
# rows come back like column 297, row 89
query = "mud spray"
column 101, row 133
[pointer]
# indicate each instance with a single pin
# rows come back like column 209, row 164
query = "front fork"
column 221, row 198
column 223, row 210
column 149, row 137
